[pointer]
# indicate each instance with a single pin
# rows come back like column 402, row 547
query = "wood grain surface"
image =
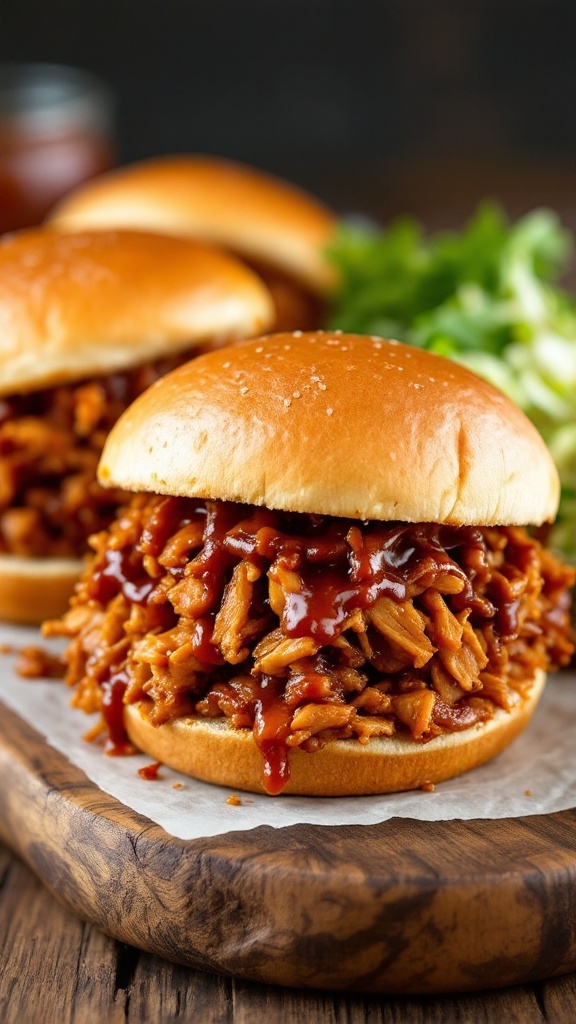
column 400, row 907
column 55, row 969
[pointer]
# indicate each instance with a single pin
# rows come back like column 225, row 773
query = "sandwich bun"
column 91, row 304
column 212, row 750
column 339, row 425
column 96, row 302
column 35, row 589
column 248, row 211
column 346, row 426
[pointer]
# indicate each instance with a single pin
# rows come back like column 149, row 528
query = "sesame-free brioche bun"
column 96, row 302
column 336, row 424
column 212, row 750
column 34, row 589
column 248, row 211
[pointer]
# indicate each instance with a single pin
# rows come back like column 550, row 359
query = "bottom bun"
column 35, row 589
column 212, row 750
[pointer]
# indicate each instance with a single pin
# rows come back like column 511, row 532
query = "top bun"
column 248, row 211
column 79, row 305
column 336, row 424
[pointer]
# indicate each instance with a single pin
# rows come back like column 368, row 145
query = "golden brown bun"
column 35, row 589
column 214, row 751
column 336, row 424
column 246, row 210
column 73, row 306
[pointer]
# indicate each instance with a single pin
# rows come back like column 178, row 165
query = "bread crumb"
column 177, row 785
column 287, row 401
column 234, row 801
column 527, row 792
column 428, row 787
column 244, row 390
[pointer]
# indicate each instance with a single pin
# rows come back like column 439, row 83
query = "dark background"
column 383, row 106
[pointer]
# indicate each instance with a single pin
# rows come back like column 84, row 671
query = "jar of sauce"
column 55, row 133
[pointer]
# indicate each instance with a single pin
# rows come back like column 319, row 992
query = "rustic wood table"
column 54, row 969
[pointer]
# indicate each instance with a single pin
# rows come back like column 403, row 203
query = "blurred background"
column 381, row 106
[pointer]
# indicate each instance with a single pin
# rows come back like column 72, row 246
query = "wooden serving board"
column 404, row 906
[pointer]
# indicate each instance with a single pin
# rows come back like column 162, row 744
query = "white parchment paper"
column 536, row 775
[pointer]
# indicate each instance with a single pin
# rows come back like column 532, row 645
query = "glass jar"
column 55, row 132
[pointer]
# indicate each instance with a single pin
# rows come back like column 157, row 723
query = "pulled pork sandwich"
column 278, row 229
column 323, row 585
column 87, row 322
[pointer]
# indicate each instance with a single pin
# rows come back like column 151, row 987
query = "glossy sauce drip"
column 321, row 607
column 213, row 563
column 343, row 567
column 113, row 690
column 202, row 646
column 506, row 624
column 382, row 562
column 169, row 517
column 259, row 537
column 271, row 729
column 120, row 571
column 400, row 550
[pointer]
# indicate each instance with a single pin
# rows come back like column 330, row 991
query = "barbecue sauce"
column 113, row 690
column 120, row 571
column 271, row 729
column 341, row 565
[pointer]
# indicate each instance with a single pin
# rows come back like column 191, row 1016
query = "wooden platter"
column 401, row 907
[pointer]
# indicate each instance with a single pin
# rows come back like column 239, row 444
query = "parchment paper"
column 536, row 775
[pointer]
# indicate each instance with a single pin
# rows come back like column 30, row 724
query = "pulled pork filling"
column 50, row 444
column 309, row 628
